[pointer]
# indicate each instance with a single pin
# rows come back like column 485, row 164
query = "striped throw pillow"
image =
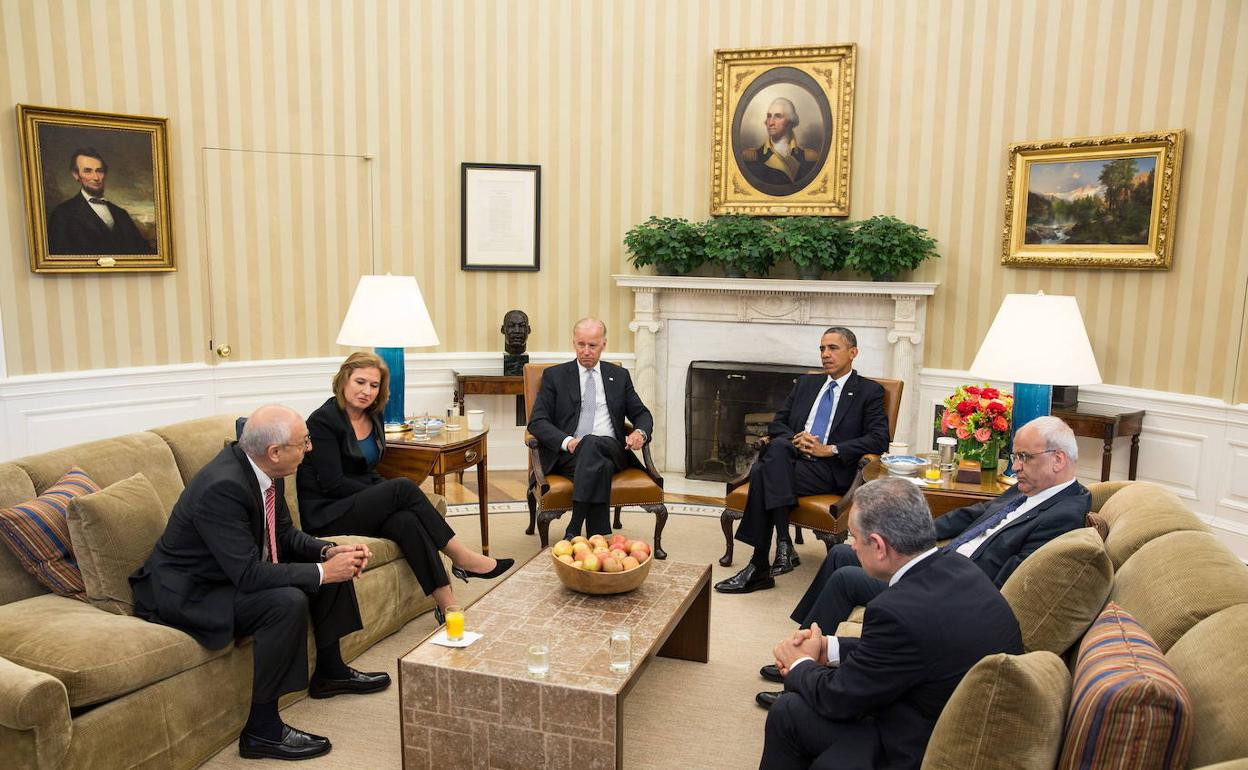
column 37, row 533
column 1128, row 708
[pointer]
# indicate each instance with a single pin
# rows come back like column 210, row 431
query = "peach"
column 591, row 563
column 630, row 563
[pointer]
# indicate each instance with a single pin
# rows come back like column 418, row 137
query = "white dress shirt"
column 602, row 417
column 836, row 399
column 968, row 548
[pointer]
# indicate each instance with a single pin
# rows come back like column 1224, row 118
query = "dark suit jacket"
column 335, row 470
column 1001, row 554
column 859, row 425
column 211, row 550
column 919, row 637
column 75, row 228
column 557, row 407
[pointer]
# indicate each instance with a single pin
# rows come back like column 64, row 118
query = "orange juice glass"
column 454, row 623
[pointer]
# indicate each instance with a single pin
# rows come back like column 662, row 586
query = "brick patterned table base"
column 477, row 707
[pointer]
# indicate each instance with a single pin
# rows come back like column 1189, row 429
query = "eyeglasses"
column 1023, row 457
column 305, row 444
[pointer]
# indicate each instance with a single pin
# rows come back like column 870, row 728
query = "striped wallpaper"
column 279, row 102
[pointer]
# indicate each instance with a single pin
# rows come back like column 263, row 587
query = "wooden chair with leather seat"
column 549, row 497
column 826, row 514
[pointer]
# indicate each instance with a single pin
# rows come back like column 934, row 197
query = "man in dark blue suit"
column 578, row 419
column 231, row 563
column 87, row 223
column 827, row 424
column 873, row 701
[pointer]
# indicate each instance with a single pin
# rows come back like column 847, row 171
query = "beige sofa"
column 81, row 687
column 1158, row 562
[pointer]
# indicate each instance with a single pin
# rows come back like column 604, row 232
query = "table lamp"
column 1036, row 339
column 388, row 313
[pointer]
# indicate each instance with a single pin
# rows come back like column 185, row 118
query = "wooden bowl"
column 587, row 582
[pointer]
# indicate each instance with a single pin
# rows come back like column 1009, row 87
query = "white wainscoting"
column 45, row 412
column 1196, row 447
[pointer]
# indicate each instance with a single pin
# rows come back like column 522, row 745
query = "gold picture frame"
column 806, row 170
column 1099, row 201
column 97, row 191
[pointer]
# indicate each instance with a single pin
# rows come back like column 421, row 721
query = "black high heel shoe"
column 439, row 615
column 500, row 567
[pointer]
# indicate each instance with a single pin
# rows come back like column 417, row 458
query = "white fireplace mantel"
column 679, row 319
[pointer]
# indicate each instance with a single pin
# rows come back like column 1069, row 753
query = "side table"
column 446, row 452
column 948, row 494
column 1106, row 423
column 490, row 385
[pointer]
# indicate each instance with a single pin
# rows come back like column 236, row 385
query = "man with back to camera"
column 231, row 563
column 578, row 419
column 1046, row 502
column 87, row 223
column 873, row 701
column 779, row 160
column 826, row 425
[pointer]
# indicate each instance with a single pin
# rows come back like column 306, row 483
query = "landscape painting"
column 1106, row 201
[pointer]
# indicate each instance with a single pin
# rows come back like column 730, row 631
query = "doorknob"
column 224, row 351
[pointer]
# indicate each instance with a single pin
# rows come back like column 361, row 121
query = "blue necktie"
column 823, row 414
column 985, row 524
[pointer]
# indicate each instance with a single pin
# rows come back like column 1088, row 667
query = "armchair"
column 824, row 514
column 550, row 496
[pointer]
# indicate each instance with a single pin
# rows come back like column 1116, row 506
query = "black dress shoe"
column 771, row 673
column 765, row 699
column 786, row 558
column 500, row 566
column 295, row 744
column 746, row 581
column 357, row 682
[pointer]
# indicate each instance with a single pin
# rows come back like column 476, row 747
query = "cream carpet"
column 679, row 715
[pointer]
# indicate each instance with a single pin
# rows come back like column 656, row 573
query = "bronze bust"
column 515, row 330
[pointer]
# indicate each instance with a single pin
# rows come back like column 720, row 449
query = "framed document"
column 97, row 191
column 500, row 216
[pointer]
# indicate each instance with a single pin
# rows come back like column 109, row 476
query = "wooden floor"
column 510, row 485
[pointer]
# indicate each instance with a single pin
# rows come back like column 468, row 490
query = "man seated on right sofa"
column 997, row 534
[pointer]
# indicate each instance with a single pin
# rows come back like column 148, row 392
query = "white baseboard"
column 1196, row 447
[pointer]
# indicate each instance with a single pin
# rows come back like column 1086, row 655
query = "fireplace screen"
column 728, row 406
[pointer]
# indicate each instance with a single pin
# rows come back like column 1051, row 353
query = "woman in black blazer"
column 341, row 493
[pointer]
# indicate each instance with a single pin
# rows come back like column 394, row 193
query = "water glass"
column 538, row 655
column 621, row 650
column 452, row 417
column 454, row 623
column 420, row 428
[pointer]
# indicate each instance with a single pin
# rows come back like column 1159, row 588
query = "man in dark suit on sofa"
column 87, row 223
column 827, row 424
column 873, row 701
column 231, row 563
column 578, row 420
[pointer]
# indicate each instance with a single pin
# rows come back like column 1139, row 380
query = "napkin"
column 469, row 638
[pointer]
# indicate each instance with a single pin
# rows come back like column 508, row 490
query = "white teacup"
column 476, row 419
column 898, row 448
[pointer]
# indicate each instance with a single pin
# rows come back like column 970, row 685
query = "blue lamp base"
column 1030, row 401
column 394, row 361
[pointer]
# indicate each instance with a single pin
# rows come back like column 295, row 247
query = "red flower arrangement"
column 979, row 417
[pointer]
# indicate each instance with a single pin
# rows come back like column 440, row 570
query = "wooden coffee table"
column 478, row 707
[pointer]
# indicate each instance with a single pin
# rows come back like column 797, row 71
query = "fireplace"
column 728, row 406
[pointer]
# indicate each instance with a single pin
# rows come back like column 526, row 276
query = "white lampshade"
column 388, row 311
column 1037, row 338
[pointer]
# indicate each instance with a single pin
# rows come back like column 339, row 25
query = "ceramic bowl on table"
column 903, row 465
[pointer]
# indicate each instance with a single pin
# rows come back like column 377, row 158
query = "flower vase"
column 986, row 453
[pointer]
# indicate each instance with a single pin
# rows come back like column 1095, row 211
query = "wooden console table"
column 1106, row 423
column 490, row 385
column 447, row 452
